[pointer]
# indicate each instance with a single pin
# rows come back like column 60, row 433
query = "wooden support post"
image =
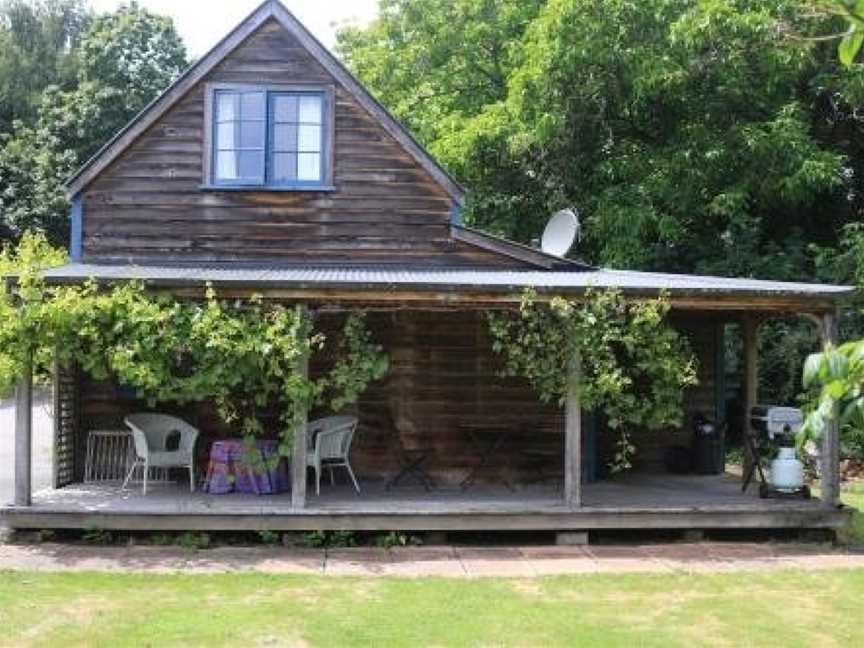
column 829, row 456
column 750, row 336
column 24, row 437
column 298, row 455
column 57, row 405
column 573, row 438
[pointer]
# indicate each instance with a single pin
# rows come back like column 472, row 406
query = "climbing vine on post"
column 634, row 366
column 240, row 354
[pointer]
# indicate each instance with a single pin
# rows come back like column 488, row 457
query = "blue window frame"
column 270, row 139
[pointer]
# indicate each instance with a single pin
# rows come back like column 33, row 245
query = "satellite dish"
column 561, row 233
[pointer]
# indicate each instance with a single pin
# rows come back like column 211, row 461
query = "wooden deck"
column 637, row 502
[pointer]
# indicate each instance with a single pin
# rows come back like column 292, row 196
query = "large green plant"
column 244, row 355
column 634, row 367
column 834, row 379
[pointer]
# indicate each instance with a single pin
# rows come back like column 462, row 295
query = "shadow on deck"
column 634, row 502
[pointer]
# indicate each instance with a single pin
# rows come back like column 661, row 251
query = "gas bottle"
column 787, row 473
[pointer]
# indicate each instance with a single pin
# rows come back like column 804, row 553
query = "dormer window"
column 275, row 138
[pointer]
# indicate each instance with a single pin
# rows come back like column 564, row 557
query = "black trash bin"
column 709, row 457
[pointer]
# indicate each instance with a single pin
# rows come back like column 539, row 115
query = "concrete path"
column 446, row 561
column 43, row 431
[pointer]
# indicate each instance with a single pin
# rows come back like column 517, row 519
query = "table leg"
column 486, row 453
column 412, row 466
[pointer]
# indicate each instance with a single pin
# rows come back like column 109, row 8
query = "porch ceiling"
column 389, row 284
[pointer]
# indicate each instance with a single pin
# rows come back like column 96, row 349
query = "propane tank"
column 787, row 473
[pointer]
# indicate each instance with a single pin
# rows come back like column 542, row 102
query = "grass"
column 854, row 496
column 789, row 608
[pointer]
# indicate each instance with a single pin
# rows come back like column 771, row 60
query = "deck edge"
column 584, row 520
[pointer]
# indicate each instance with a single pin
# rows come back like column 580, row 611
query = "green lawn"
column 854, row 496
column 788, row 608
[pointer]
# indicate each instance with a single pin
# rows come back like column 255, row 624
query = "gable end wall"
column 149, row 205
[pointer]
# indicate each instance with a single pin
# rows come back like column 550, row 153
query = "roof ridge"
column 269, row 9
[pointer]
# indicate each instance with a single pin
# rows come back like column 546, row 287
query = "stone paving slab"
column 444, row 561
column 495, row 561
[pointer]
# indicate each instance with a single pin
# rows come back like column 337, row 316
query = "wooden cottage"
column 267, row 168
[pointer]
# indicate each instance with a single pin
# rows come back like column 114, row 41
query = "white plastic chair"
column 150, row 433
column 329, row 444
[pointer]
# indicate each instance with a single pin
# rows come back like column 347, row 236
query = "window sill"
column 269, row 189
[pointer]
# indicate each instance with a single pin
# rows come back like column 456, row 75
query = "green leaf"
column 836, row 389
column 850, row 45
column 836, row 365
column 812, row 369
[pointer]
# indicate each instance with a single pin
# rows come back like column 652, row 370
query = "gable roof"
column 269, row 10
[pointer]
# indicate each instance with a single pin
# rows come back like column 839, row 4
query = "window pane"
column 309, row 139
column 252, row 105
column 310, row 109
column 226, row 165
column 285, row 108
column 309, row 166
column 252, row 134
column 225, row 136
column 251, row 165
column 285, row 137
column 226, row 107
column 284, row 167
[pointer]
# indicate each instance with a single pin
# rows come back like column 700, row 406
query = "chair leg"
column 146, row 473
column 129, row 474
column 332, row 476
column 317, row 480
column 353, row 478
column 192, row 476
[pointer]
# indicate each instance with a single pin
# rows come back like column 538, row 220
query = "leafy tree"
column 125, row 59
column 38, row 40
column 692, row 136
column 33, row 166
column 434, row 63
column 135, row 53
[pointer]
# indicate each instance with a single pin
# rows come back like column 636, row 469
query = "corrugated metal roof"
column 445, row 279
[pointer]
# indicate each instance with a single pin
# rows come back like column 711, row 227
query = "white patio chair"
column 151, row 432
column 329, row 444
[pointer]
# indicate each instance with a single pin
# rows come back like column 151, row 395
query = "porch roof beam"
column 389, row 298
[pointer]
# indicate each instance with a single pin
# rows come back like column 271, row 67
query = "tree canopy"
column 114, row 68
column 38, row 40
column 693, row 136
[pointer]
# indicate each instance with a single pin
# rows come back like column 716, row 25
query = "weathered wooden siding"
column 443, row 382
column 149, row 205
column 701, row 399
